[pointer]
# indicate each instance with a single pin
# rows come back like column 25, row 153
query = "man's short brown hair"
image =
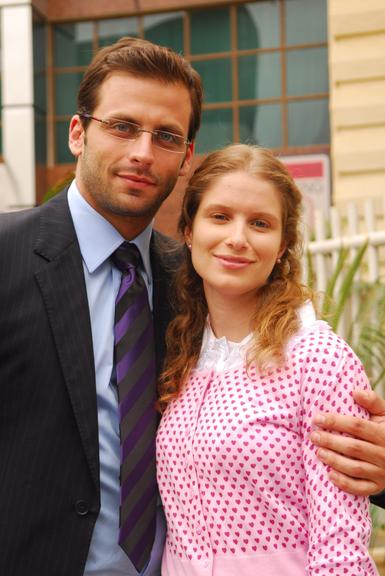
column 142, row 59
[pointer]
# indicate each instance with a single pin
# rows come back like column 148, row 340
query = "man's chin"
column 132, row 209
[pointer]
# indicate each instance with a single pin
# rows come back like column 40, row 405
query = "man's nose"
column 141, row 150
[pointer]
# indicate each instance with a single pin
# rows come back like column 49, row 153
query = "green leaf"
column 346, row 286
column 329, row 294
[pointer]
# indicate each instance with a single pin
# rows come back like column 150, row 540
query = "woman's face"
column 236, row 236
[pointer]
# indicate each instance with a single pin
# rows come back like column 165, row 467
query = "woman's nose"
column 237, row 236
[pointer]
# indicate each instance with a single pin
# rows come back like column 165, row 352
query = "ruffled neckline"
column 223, row 354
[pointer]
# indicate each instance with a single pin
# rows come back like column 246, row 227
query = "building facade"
column 303, row 77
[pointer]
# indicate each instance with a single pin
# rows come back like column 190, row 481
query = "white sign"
column 311, row 173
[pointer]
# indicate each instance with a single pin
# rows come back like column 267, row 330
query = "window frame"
column 235, row 104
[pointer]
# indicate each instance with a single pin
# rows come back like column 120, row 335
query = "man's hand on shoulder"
column 357, row 461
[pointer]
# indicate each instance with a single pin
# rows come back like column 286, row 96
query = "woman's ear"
column 188, row 237
column 282, row 250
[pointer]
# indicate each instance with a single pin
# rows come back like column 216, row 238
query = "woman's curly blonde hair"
column 275, row 318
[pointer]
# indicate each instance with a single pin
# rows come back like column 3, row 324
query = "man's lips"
column 233, row 261
column 141, row 181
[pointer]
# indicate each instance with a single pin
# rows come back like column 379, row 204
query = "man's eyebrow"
column 124, row 117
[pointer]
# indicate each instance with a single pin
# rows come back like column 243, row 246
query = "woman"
column 248, row 365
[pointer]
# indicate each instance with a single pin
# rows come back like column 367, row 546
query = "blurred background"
column 304, row 77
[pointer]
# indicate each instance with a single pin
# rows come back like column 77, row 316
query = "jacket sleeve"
column 378, row 499
column 339, row 523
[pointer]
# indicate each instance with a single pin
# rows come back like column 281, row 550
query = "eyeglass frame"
column 139, row 131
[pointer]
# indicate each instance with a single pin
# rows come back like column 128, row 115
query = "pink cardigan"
column 242, row 489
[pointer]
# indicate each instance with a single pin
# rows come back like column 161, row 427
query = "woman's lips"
column 233, row 262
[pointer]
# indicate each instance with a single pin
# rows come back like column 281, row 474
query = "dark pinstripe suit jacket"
column 49, row 455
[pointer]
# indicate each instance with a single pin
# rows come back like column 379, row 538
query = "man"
column 62, row 512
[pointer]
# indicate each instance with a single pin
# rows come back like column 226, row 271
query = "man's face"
column 127, row 181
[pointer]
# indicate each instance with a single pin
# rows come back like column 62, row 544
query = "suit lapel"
column 62, row 284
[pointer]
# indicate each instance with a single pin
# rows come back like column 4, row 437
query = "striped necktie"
column 135, row 374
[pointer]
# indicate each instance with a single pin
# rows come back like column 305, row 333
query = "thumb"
column 371, row 401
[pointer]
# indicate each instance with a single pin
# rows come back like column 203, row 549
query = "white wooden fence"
column 349, row 229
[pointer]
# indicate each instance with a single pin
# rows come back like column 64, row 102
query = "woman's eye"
column 219, row 217
column 260, row 224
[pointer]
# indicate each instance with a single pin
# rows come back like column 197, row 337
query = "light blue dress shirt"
column 98, row 239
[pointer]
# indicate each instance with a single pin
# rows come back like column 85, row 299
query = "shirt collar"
column 97, row 238
column 307, row 314
column 210, row 340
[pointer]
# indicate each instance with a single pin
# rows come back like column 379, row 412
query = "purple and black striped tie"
column 135, row 374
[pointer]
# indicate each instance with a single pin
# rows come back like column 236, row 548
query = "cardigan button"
column 81, row 507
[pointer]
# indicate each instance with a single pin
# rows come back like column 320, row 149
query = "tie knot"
column 126, row 257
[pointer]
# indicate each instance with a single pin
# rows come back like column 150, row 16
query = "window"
column 265, row 74
column 263, row 65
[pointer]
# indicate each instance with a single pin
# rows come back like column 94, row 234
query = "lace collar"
column 223, row 354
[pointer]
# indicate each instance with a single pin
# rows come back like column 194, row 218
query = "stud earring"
column 278, row 261
column 189, row 246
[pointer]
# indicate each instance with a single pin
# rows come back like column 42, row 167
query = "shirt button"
column 206, row 564
column 199, row 531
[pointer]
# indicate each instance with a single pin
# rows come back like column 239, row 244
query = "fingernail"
column 321, row 453
column 319, row 419
column 315, row 437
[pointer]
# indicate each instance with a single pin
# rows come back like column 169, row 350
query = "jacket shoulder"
column 13, row 222
column 167, row 251
column 16, row 227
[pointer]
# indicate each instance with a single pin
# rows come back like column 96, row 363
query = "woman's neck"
column 231, row 318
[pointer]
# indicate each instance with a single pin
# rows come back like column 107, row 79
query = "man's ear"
column 76, row 136
column 186, row 164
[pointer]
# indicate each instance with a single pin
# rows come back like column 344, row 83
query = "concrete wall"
column 17, row 171
column 357, row 97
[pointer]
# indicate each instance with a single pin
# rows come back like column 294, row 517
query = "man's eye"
column 167, row 137
column 124, row 129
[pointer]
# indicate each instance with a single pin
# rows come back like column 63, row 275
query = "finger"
column 352, row 448
column 358, row 427
column 371, row 401
column 356, row 469
column 353, row 485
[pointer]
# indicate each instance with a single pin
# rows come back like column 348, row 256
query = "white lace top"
column 222, row 354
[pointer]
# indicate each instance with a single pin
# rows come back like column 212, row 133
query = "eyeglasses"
column 130, row 131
